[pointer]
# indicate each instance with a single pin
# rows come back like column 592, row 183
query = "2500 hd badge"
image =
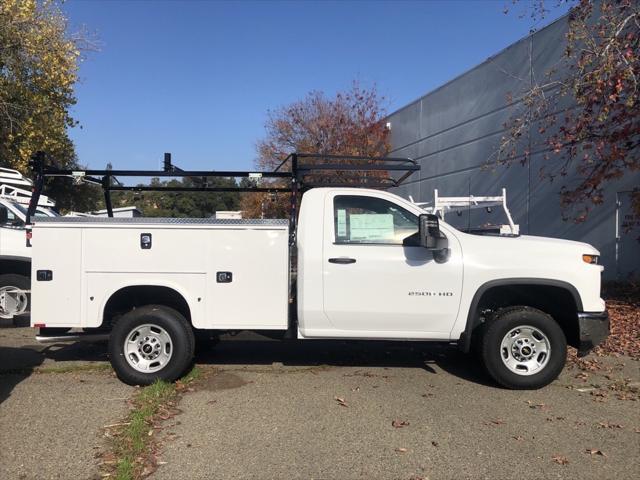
column 430, row 294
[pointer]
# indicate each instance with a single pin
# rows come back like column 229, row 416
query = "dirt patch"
column 215, row 381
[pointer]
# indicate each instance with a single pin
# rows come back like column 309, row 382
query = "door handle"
column 342, row 260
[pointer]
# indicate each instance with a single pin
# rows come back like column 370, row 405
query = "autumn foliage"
column 39, row 61
column 598, row 138
column 38, row 70
column 349, row 123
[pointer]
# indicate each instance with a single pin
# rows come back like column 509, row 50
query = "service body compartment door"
column 248, row 279
column 376, row 287
column 56, row 296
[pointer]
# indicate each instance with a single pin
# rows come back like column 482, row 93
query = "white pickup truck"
column 363, row 264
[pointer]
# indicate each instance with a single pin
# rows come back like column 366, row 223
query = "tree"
column 38, row 71
column 183, row 204
column 598, row 138
column 350, row 123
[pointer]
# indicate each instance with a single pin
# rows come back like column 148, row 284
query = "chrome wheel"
column 525, row 350
column 148, row 348
column 13, row 301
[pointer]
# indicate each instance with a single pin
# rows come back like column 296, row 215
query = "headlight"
column 592, row 259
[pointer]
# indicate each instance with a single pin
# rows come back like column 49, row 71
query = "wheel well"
column 20, row 267
column 128, row 298
column 558, row 301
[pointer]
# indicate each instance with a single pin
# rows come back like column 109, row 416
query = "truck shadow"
column 18, row 363
column 432, row 358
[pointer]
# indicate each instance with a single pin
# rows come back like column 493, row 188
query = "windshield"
column 19, row 208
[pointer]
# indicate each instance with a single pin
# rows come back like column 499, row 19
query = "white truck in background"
column 353, row 263
column 15, row 257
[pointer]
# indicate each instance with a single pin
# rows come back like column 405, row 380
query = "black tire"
column 19, row 281
column 505, row 321
column 175, row 326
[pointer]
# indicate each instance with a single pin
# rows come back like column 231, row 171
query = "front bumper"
column 593, row 328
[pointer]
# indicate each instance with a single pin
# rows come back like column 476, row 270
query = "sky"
column 197, row 78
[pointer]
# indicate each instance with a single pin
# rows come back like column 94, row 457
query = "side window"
column 365, row 220
column 10, row 218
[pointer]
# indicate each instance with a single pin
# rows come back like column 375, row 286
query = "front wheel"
column 151, row 343
column 523, row 348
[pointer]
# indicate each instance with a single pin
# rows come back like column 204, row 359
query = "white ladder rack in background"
column 16, row 187
column 443, row 205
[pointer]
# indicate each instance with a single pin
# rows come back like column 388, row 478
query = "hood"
column 558, row 242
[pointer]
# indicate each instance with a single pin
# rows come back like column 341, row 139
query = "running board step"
column 73, row 337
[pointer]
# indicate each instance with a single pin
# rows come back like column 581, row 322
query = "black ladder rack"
column 295, row 174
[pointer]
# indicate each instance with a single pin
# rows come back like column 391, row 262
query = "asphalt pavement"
column 323, row 410
column 54, row 403
column 349, row 410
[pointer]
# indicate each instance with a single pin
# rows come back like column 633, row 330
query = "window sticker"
column 342, row 223
column 371, row 227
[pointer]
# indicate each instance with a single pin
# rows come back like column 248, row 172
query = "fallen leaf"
column 560, row 459
column 399, row 423
column 609, row 425
column 595, row 451
column 341, row 402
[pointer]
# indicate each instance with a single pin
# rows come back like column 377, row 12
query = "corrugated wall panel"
column 454, row 133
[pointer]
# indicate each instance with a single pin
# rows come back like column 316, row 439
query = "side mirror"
column 431, row 237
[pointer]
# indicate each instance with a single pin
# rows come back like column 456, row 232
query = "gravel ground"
column 51, row 423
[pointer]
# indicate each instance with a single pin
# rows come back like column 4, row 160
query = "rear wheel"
column 523, row 348
column 14, row 301
column 151, row 343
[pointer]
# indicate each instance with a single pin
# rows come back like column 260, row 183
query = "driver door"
column 377, row 282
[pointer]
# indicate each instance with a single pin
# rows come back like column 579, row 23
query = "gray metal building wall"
column 455, row 130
